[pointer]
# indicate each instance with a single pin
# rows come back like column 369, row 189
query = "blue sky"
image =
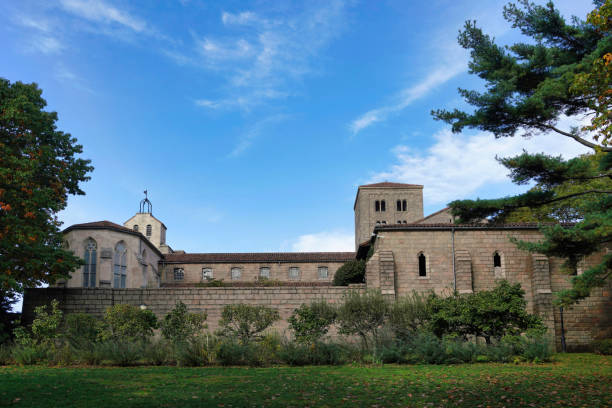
column 252, row 123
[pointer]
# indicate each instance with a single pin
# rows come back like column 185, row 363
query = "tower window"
column 496, row 260
column 135, row 227
column 383, row 205
column 422, row 265
column 399, row 205
column 148, row 230
column 377, row 205
column 404, row 205
column 179, row 274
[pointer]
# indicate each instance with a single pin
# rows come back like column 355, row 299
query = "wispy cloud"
column 247, row 139
column 261, row 57
column 101, row 12
column 65, row 75
column 457, row 165
column 325, row 241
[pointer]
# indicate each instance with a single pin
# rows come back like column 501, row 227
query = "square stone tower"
column 149, row 226
column 386, row 203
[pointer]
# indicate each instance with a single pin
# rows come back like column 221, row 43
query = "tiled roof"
column 260, row 257
column 449, row 226
column 390, row 184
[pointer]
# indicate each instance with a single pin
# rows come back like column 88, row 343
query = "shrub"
column 158, row 352
column 603, row 347
column 60, row 355
column 295, row 354
column 29, row 354
column 81, row 329
column 6, row 354
column 459, row 351
column 122, row 352
column 329, row 353
column 537, row 348
column 408, row 315
column 180, row 325
column 362, row 315
column 246, row 322
column 192, row 353
column 311, row 322
column 126, row 323
column 46, row 325
column 351, row 272
column 230, row 352
column 428, row 348
column 92, row 354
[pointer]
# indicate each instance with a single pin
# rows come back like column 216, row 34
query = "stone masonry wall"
column 161, row 301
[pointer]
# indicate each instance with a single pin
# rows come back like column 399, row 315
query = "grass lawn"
column 576, row 380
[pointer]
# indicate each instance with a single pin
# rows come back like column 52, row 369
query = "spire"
column 145, row 204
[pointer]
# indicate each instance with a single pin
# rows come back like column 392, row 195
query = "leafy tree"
column 127, row 323
column 352, row 271
column 362, row 314
column 246, row 322
column 408, row 314
column 180, row 325
column 529, row 88
column 310, row 322
column 488, row 313
column 39, row 168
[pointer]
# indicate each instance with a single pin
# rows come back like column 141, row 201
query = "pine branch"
column 580, row 140
column 565, row 197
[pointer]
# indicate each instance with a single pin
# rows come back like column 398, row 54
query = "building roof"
column 431, row 215
column 449, row 226
column 107, row 225
column 260, row 257
column 388, row 184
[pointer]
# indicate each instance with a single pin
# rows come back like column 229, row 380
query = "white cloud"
column 46, row 44
column 326, row 241
column 101, row 12
column 247, row 139
column 264, row 62
column 458, row 166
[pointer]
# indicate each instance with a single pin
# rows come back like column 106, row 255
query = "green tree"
column 126, row 323
column 362, row 314
column 180, row 326
column 246, row 322
column 39, row 168
column 310, row 322
column 351, row 272
column 529, row 88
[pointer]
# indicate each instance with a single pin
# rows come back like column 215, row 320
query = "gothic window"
column 236, row 273
column 148, row 230
column 119, row 266
column 404, row 205
column 399, row 205
column 377, row 205
column 404, row 222
column 179, row 274
column 264, row 272
column 399, row 222
column 496, row 260
column 384, row 223
column 135, row 227
column 422, row 265
column 498, row 269
column 294, row 273
column 383, row 205
column 377, row 222
column 89, row 269
column 207, row 274
column 323, row 272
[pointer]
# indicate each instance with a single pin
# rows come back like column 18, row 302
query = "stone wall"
column 161, row 301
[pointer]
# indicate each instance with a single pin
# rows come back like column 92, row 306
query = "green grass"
column 576, row 380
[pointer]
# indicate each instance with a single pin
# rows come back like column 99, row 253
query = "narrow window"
column 422, row 265
column 377, row 205
column 399, row 222
column 404, row 206
column 264, row 272
column 89, row 269
column 135, row 227
column 496, row 260
column 294, row 273
column 207, row 274
column 399, row 205
column 323, row 272
column 179, row 274
column 384, row 222
column 377, row 222
column 236, row 273
column 148, row 230
column 405, row 222
column 119, row 266
column 383, row 206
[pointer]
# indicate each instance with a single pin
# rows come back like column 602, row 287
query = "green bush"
column 91, row 353
column 29, row 354
column 230, row 352
column 126, row 323
column 246, row 322
column 6, row 354
column 159, row 352
column 81, row 329
column 428, row 348
column 46, row 325
column 603, row 347
column 351, row 272
column 295, row 354
column 62, row 355
column 180, row 325
column 122, row 352
column 198, row 351
column 537, row 348
column 310, row 322
column 362, row 314
column 408, row 315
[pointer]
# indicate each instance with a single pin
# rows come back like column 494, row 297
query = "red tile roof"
column 394, row 185
column 260, row 257
column 449, row 226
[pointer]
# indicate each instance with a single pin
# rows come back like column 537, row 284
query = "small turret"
column 149, row 226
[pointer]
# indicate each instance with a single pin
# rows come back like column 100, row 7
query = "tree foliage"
column 125, row 323
column 362, row 314
column 352, row 271
column 246, row 322
column 310, row 322
column 39, row 168
column 529, row 88
column 180, row 326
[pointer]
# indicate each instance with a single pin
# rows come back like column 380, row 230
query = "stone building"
column 132, row 263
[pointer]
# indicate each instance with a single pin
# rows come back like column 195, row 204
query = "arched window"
column 119, row 266
column 383, row 206
column 498, row 266
column 89, row 269
column 422, row 265
column 496, row 260
column 148, row 230
column 404, row 205
column 377, row 205
column 398, row 205
column 236, row 273
column 135, row 227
